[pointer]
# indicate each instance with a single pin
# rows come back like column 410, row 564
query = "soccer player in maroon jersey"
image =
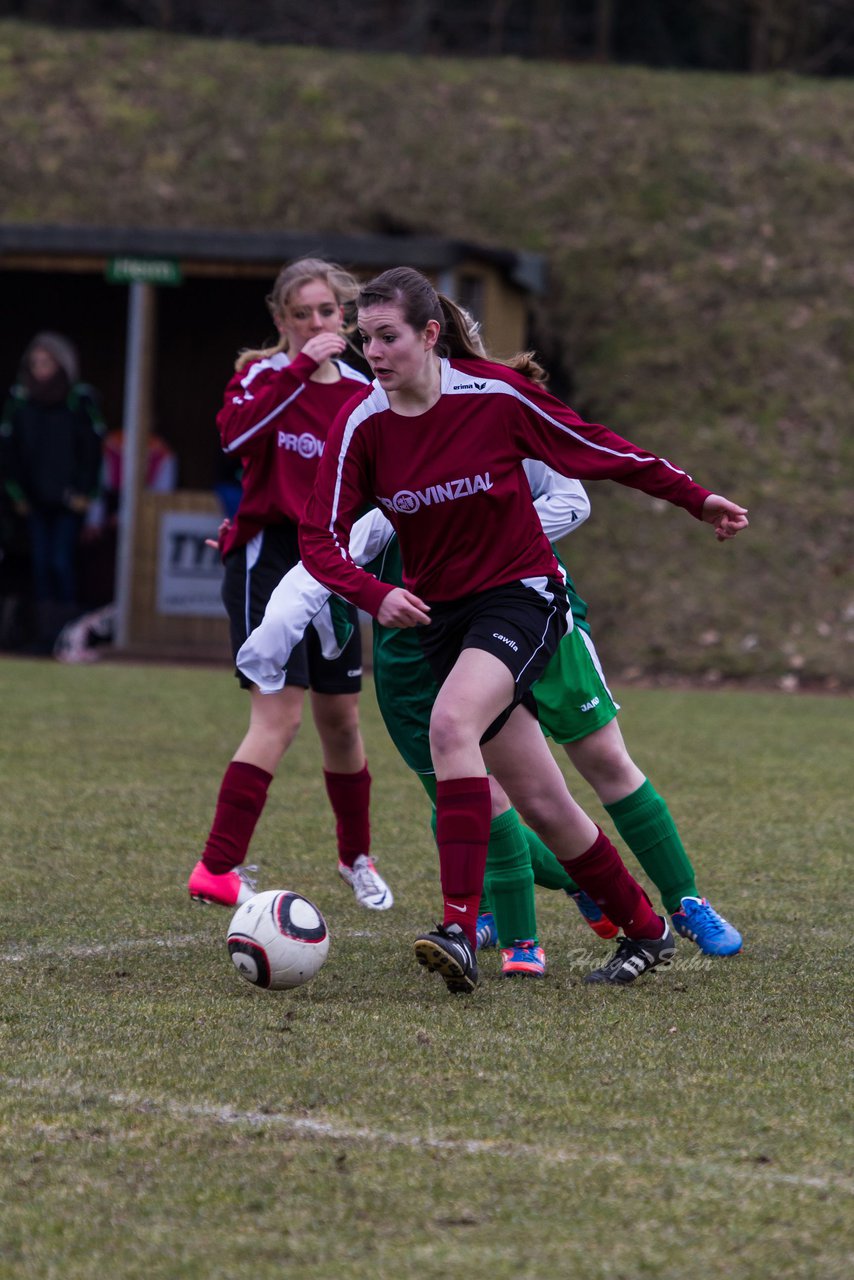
column 438, row 440
column 278, row 408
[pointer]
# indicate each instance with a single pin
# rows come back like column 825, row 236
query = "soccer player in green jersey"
column 577, row 710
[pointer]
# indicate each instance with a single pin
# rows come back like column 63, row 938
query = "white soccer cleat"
column 367, row 884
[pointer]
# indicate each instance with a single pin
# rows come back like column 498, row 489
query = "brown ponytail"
column 526, row 363
column 460, row 332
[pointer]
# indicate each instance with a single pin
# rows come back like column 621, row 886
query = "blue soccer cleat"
column 699, row 921
column 487, row 931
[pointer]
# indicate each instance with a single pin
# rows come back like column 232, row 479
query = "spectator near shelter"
column 51, row 432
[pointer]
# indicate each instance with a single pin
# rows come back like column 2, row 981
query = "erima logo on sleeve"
column 407, row 501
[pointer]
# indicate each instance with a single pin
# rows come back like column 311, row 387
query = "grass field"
column 161, row 1118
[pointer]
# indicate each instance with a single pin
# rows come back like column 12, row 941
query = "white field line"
column 576, row 958
column 85, row 951
column 298, row 1126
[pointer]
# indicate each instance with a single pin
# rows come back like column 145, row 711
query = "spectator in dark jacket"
column 51, row 433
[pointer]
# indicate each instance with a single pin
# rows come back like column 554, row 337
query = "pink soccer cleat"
column 229, row 889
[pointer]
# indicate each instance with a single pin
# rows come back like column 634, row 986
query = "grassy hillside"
column 702, row 287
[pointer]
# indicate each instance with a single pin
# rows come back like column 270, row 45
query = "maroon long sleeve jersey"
column 276, row 421
column 451, row 482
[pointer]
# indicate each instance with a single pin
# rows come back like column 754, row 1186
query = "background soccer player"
column 278, row 408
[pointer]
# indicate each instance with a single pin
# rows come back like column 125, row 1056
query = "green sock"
column 428, row 782
column 509, row 881
column 643, row 820
column 548, row 872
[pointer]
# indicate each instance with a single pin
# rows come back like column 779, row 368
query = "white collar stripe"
column 347, row 371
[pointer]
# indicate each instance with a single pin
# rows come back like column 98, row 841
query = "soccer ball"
column 278, row 940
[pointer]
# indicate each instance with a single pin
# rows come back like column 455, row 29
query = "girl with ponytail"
column 438, row 442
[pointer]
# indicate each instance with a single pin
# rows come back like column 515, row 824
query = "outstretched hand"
column 727, row 517
column 401, row 608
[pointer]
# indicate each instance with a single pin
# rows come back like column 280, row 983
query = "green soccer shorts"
column 573, row 699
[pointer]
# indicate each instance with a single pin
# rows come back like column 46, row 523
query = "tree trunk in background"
column 497, row 18
column 547, row 29
column 417, row 26
column 779, row 34
column 603, row 30
column 811, row 36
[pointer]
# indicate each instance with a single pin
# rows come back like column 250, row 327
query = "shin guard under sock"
column 350, row 797
column 601, row 872
column 463, row 808
column 644, row 822
column 242, row 795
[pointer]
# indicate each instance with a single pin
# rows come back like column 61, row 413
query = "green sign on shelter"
column 128, row 270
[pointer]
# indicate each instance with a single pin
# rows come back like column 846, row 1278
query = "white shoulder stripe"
column 466, row 384
column 253, row 431
column 506, row 389
column 376, row 402
column 280, row 360
column 455, row 382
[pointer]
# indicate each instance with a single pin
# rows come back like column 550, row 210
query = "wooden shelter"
column 159, row 316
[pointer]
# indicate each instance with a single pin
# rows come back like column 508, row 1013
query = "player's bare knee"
column 278, row 733
column 449, row 733
column 601, row 766
column 340, row 738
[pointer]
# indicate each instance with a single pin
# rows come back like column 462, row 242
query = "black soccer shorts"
column 520, row 623
column 252, row 573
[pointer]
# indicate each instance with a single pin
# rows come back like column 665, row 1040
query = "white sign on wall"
column 189, row 573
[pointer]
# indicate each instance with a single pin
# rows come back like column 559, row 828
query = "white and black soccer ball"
column 278, row 940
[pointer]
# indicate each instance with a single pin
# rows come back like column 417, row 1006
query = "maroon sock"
column 238, row 808
column 601, row 872
column 463, row 814
column 350, row 797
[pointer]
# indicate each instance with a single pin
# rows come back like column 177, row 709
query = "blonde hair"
column 460, row 332
column 291, row 278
